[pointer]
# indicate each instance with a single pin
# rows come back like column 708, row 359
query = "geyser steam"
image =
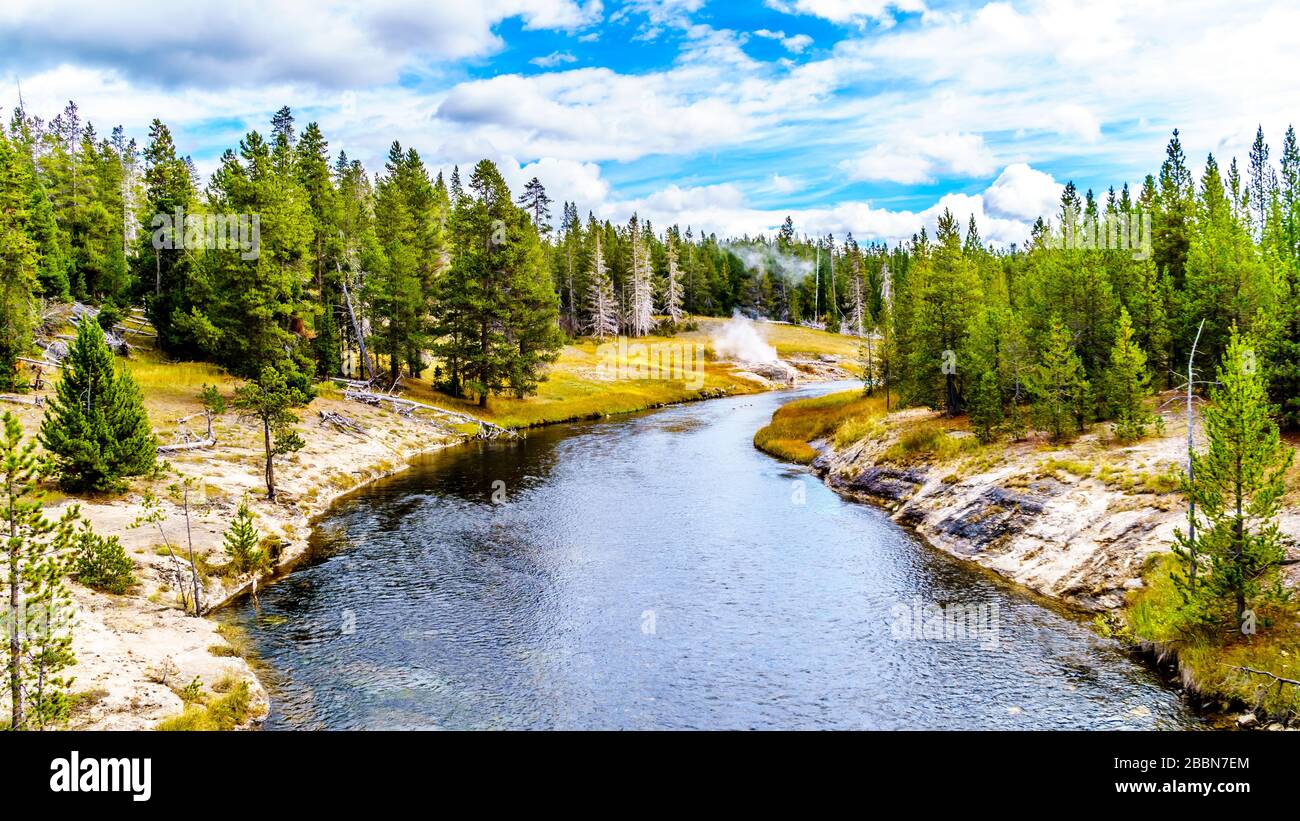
column 740, row 339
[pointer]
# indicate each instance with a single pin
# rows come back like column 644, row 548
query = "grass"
column 796, row 340
column 929, row 440
column 171, row 389
column 1210, row 659
column 797, row 423
column 1159, row 484
column 82, row 701
column 223, row 711
column 576, row 388
column 1074, row 467
column 870, row 425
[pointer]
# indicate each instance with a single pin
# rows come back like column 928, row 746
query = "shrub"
column 109, row 315
column 243, row 544
column 101, row 563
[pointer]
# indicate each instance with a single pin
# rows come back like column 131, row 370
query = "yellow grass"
column 576, row 389
column 796, row 424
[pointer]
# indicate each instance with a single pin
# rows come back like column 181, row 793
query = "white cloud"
column 783, row 185
column 916, row 159
column 1077, row 121
column 565, row 181
column 1023, row 193
column 847, row 11
column 1004, row 212
column 236, row 43
column 553, row 59
column 797, row 44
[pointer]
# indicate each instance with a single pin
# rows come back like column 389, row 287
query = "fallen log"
column 343, row 423
column 38, row 401
column 206, row 442
column 406, row 407
column 44, row 363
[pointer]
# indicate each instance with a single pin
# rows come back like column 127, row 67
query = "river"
column 656, row 571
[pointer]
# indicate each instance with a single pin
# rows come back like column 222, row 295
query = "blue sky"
column 867, row 116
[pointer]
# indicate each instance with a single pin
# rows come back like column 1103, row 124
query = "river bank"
column 1088, row 523
column 137, row 653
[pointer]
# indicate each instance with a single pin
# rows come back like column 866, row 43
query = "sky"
column 867, row 116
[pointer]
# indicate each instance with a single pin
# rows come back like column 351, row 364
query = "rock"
column 1247, row 720
column 1134, row 584
column 1276, row 726
column 777, row 371
column 887, row 483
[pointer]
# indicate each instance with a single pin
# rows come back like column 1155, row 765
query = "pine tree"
column 986, row 408
column 243, row 544
column 1058, row 384
column 1227, row 281
column 101, row 563
column 18, row 264
column 1171, row 222
column 164, row 274
column 1289, row 192
column 1263, row 182
column 271, row 399
column 1237, row 487
column 538, row 205
column 95, row 428
column 945, row 291
column 33, row 561
column 1128, row 384
column 600, row 297
column 496, row 305
column 400, row 292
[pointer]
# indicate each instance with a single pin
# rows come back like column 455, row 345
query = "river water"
column 657, row 571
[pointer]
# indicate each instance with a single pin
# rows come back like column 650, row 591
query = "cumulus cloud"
column 553, row 59
column 1004, row 212
column 237, row 43
column 565, row 180
column 594, row 114
column 1023, row 193
column 795, row 44
column 917, row 159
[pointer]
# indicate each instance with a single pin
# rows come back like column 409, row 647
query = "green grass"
column 797, row 423
column 226, row 711
column 1074, row 467
column 929, row 441
column 870, row 425
column 1210, row 659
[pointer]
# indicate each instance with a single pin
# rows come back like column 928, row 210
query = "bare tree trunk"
column 15, row 646
column 189, row 538
column 1191, row 468
column 270, row 467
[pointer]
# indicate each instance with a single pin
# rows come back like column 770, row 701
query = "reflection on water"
column 658, row 572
